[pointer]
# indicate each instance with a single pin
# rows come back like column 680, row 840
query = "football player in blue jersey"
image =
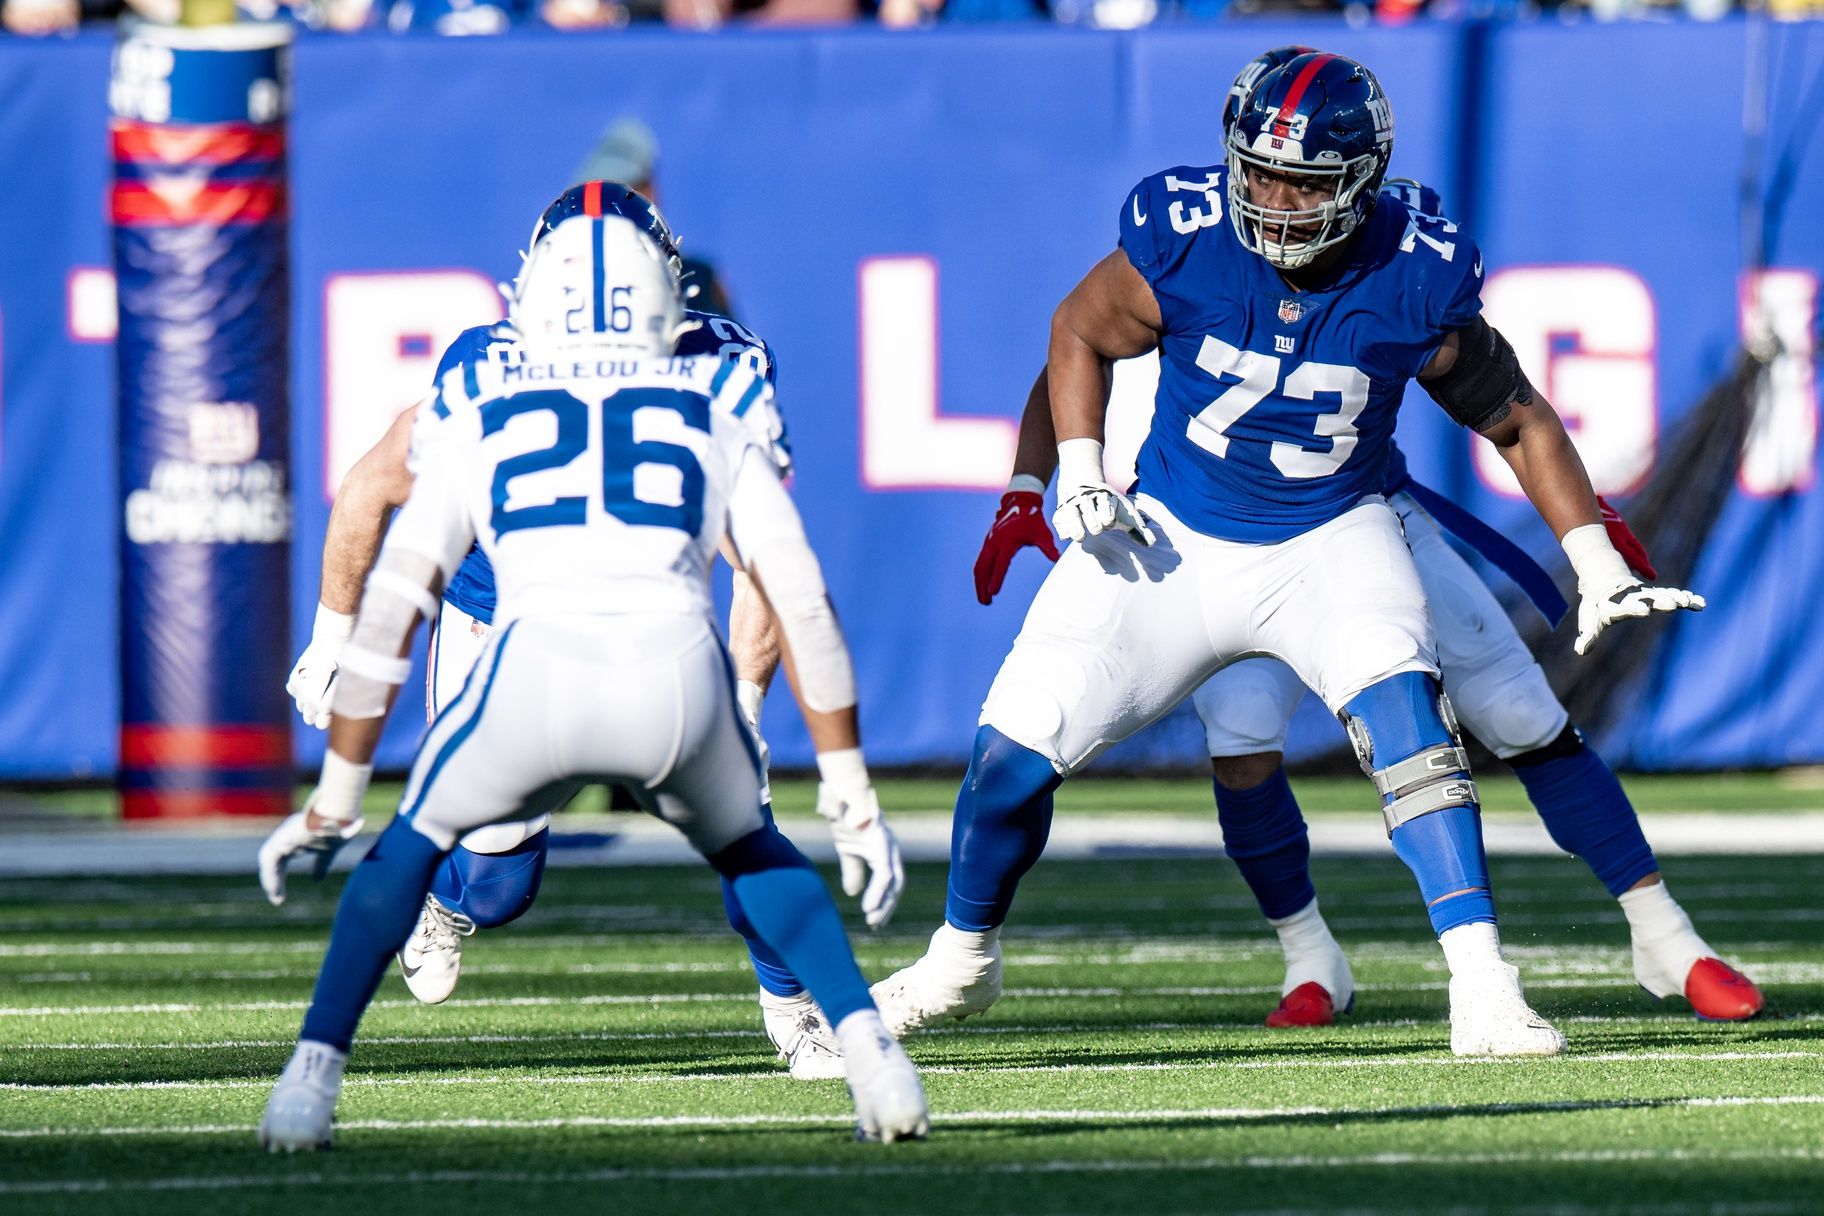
column 1291, row 303
column 1500, row 695
column 493, row 875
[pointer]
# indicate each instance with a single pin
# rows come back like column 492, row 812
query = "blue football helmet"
column 611, row 198
column 1317, row 116
column 1250, row 75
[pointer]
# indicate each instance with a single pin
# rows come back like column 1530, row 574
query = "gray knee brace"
column 1433, row 779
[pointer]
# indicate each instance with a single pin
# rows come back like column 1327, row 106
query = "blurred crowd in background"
column 458, row 17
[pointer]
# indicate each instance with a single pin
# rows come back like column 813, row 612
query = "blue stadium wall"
column 897, row 214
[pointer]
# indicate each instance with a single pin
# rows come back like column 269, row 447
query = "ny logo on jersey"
column 1283, row 343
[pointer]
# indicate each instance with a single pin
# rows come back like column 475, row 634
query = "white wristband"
column 1025, row 483
column 1594, row 558
column 340, row 788
column 844, row 771
column 1080, row 463
column 750, row 697
column 332, row 625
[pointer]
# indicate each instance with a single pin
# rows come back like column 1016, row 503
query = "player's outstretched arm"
column 432, row 535
column 1478, row 381
column 1020, row 520
column 769, row 536
column 1112, row 314
column 377, row 484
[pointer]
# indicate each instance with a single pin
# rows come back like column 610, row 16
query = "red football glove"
column 1626, row 543
column 1021, row 522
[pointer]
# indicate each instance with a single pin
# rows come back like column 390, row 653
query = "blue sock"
column 1586, row 810
column 492, row 889
column 1264, row 833
column 1442, row 849
column 1003, row 816
column 774, row 975
column 790, row 909
column 379, row 906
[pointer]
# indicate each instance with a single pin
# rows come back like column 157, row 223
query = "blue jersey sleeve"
column 1140, row 231
column 1442, row 270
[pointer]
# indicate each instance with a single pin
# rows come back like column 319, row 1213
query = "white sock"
column 317, row 1065
column 1311, row 953
column 863, row 1035
column 972, row 942
column 795, row 1003
column 1659, row 925
column 1471, row 948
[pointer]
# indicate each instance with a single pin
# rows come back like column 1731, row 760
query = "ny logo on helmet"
column 1382, row 111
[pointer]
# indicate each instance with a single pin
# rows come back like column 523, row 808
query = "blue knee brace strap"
column 493, row 889
column 1428, row 799
column 1264, row 833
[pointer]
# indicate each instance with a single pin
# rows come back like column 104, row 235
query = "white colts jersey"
column 594, row 482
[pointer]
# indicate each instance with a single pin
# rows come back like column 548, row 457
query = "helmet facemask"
column 1334, row 220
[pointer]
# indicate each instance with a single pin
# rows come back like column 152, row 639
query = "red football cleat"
column 1717, row 992
column 1310, row 1005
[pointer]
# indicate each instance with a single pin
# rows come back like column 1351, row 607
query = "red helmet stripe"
column 592, row 199
column 1296, row 94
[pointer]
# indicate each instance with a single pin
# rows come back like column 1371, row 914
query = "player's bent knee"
column 1405, row 736
column 763, row 849
column 1568, row 742
column 1245, row 772
column 1514, row 715
column 494, row 888
column 1028, row 712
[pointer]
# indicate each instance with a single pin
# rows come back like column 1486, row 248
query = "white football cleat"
column 1489, row 1016
column 803, row 1036
column 889, row 1098
column 301, row 1113
column 432, row 956
column 958, row 976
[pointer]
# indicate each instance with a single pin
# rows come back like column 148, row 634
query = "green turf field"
column 604, row 1055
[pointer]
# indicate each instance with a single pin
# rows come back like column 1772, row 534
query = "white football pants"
column 644, row 700
column 1496, row 685
column 456, row 646
column 1120, row 633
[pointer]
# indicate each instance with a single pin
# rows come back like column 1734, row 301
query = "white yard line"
column 106, row 850
column 971, row 1069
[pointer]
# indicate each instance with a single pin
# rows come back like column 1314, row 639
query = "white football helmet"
column 598, row 281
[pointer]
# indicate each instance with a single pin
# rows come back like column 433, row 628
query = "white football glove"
column 865, row 846
column 1607, row 591
column 316, row 667
column 336, row 802
column 1087, row 504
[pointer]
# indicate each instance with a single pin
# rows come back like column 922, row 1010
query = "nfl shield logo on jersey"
column 1290, row 311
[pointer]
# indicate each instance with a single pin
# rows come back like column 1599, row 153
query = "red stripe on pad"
column 204, row 746
column 177, row 202
column 1296, row 94
column 213, row 144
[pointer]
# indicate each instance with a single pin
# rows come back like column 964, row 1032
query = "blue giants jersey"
column 1275, row 407
column 472, row 586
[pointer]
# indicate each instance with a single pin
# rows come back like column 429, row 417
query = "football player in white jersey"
column 493, row 875
column 600, row 474
column 1499, row 692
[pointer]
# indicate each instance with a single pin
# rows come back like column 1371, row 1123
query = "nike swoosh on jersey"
column 1139, row 220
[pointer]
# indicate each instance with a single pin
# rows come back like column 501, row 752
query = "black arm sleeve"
column 1485, row 383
